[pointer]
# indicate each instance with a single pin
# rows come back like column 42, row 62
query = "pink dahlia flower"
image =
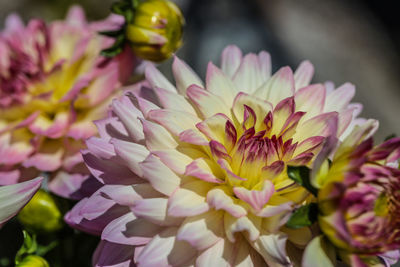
column 53, row 84
column 195, row 174
column 359, row 200
column 14, row 197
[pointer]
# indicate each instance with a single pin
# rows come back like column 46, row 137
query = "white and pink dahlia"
column 195, row 174
column 53, row 84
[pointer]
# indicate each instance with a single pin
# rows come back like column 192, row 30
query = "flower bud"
column 41, row 214
column 156, row 30
column 33, row 261
column 359, row 201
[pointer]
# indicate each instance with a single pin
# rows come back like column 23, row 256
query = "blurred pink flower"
column 196, row 174
column 53, row 84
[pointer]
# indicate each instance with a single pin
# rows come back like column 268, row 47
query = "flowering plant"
column 53, row 84
column 358, row 200
column 192, row 173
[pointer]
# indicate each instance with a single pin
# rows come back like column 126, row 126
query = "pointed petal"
column 256, row 198
column 184, row 76
column 203, row 169
column 322, row 125
column 159, row 175
column 303, row 74
column 131, row 153
column 155, row 211
column 230, row 60
column 202, row 231
column 113, row 255
column 156, row 136
column 14, row 197
column 165, row 250
column 129, row 117
column 310, row 99
column 129, row 230
column 189, row 200
column 174, row 121
column 171, row 100
column 339, row 98
column 272, row 248
column 220, row 200
column 174, row 159
column 319, row 253
column 235, row 225
column 252, row 73
column 278, row 87
column 219, row 84
column 260, row 108
column 157, row 79
column 207, row 103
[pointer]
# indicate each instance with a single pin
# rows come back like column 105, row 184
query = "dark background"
column 355, row 41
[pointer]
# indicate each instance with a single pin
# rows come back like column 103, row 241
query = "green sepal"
column 120, row 7
column 304, row 216
column 28, row 247
column 116, row 48
column 125, row 8
column 301, row 175
column 135, row 3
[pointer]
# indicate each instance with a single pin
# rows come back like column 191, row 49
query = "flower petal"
column 14, row 197
column 219, row 84
column 253, row 71
column 189, row 200
column 303, row 74
column 207, row 103
column 129, row 230
column 230, row 60
column 159, row 175
column 157, row 79
column 202, row 231
column 113, row 255
column 278, row 87
column 319, row 253
column 184, row 76
column 165, row 250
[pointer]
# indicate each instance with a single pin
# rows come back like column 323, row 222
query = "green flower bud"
column 33, row 261
column 156, row 30
column 41, row 214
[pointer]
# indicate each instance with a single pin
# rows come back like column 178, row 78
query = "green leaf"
column 304, row 216
column 301, row 175
column 28, row 247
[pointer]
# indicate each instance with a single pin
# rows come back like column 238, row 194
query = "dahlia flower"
column 14, row 197
column 195, row 174
column 359, row 200
column 53, row 84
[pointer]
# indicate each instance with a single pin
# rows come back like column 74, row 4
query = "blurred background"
column 347, row 41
